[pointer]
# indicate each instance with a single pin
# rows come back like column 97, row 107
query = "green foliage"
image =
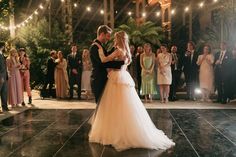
column 146, row 32
column 35, row 38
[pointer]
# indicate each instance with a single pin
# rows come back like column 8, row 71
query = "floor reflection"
column 64, row 133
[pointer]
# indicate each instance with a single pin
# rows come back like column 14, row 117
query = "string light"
column 186, row 9
column 201, row 4
column 88, row 9
column 143, row 14
column 23, row 23
column 41, row 7
column 173, row 12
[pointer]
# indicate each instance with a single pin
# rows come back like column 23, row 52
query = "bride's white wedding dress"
column 121, row 119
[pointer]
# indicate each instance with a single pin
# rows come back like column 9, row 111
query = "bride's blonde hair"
column 122, row 40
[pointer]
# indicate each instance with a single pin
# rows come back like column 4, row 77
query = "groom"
column 97, row 54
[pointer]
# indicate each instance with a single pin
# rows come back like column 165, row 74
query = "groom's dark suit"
column 99, row 72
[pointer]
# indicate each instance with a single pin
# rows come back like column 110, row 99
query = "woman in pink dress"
column 25, row 74
column 206, row 74
column 14, row 79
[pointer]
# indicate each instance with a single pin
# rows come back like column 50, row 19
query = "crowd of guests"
column 14, row 78
column 69, row 74
column 204, row 73
column 158, row 72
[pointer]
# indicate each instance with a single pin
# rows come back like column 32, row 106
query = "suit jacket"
column 50, row 69
column 99, row 72
column 190, row 68
column 3, row 68
column 138, row 67
column 74, row 63
column 224, row 70
column 173, row 65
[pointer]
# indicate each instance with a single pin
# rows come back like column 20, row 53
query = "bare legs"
column 148, row 97
column 164, row 92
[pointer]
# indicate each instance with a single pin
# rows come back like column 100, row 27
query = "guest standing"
column 223, row 74
column 14, row 79
column 74, row 60
column 50, row 72
column 206, row 74
column 132, row 67
column 3, row 79
column 61, row 77
column 164, row 77
column 175, row 72
column 147, row 62
column 86, row 74
column 233, row 78
column 139, row 68
column 190, row 69
column 25, row 74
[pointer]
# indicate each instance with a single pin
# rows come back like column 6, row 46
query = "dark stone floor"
column 63, row 133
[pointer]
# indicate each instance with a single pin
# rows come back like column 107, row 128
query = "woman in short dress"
column 164, row 77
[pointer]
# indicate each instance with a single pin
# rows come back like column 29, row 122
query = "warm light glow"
column 75, row 5
column 88, row 9
column 198, row 91
column 102, row 12
column 36, row 12
column 215, row 0
column 31, row 17
column 129, row 13
column 62, row 0
column 186, row 9
column 173, row 12
column 143, row 14
column 41, row 6
column 158, row 14
column 201, row 4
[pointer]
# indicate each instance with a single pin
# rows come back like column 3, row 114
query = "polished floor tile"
column 64, row 133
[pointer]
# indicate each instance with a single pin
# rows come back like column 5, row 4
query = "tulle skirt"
column 121, row 119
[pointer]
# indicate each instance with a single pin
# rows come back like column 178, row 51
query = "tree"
column 34, row 37
column 4, row 13
column 146, row 32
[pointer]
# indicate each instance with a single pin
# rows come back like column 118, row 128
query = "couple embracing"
column 121, row 119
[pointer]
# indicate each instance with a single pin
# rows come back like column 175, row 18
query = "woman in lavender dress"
column 15, row 92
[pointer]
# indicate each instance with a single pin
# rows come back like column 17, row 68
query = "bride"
column 121, row 119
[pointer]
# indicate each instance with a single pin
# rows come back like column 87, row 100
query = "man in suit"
column 190, row 68
column 138, row 68
column 223, row 73
column 74, row 65
column 3, row 78
column 50, row 72
column 97, row 55
column 175, row 73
